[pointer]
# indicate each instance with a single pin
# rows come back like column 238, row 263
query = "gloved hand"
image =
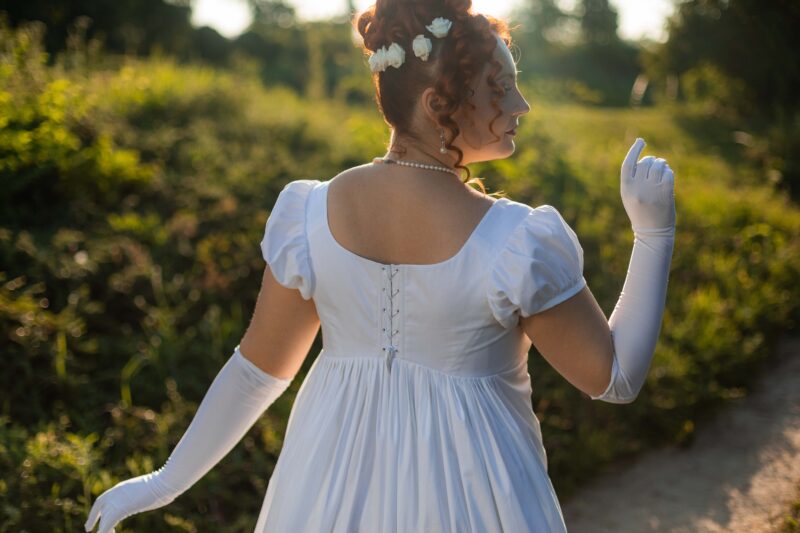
column 135, row 495
column 647, row 190
column 239, row 394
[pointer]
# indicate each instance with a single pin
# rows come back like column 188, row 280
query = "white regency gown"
column 416, row 414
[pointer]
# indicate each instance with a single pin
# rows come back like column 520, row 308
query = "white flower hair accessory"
column 394, row 56
column 377, row 61
column 422, row 47
column 439, row 27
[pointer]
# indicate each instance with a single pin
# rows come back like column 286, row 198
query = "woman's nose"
column 522, row 107
column 525, row 108
column 522, row 111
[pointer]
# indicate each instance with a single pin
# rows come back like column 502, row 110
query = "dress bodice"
column 457, row 316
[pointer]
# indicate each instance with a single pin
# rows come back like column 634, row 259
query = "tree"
column 598, row 22
column 750, row 42
column 272, row 13
column 738, row 59
column 540, row 20
column 125, row 26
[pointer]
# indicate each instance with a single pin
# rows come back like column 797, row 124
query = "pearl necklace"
column 418, row 165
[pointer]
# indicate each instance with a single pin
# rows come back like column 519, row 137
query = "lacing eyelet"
column 390, row 349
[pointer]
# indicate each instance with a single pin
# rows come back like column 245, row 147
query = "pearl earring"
column 441, row 135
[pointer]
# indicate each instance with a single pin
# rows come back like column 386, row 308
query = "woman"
column 416, row 415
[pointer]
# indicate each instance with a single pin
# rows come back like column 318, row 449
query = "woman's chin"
column 499, row 150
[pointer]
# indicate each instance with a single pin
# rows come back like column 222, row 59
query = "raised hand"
column 135, row 495
column 648, row 190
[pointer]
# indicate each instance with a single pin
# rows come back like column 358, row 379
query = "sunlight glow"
column 637, row 18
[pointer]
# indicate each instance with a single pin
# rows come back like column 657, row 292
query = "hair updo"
column 454, row 61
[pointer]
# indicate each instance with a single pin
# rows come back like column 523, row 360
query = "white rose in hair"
column 377, row 61
column 439, row 26
column 395, row 55
column 422, row 47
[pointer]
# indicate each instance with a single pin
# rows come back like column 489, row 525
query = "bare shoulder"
column 356, row 172
column 376, row 181
column 350, row 180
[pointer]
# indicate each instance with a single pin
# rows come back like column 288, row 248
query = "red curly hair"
column 452, row 65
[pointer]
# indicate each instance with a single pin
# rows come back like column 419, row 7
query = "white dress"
column 416, row 414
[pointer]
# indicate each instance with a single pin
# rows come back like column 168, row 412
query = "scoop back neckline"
column 461, row 251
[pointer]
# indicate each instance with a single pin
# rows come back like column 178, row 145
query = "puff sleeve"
column 540, row 265
column 285, row 244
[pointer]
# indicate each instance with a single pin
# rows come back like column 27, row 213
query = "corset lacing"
column 390, row 349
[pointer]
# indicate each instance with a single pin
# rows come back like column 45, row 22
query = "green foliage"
column 556, row 90
column 724, row 53
column 712, row 91
column 578, row 49
column 130, row 265
column 54, row 164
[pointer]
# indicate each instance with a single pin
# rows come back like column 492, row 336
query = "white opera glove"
column 647, row 190
column 239, row 394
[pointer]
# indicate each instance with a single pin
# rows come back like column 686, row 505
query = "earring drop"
column 441, row 135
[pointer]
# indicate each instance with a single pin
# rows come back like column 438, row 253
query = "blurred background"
column 143, row 143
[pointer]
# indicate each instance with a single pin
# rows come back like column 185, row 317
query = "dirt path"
column 740, row 475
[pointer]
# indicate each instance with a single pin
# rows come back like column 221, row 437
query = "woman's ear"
column 431, row 104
